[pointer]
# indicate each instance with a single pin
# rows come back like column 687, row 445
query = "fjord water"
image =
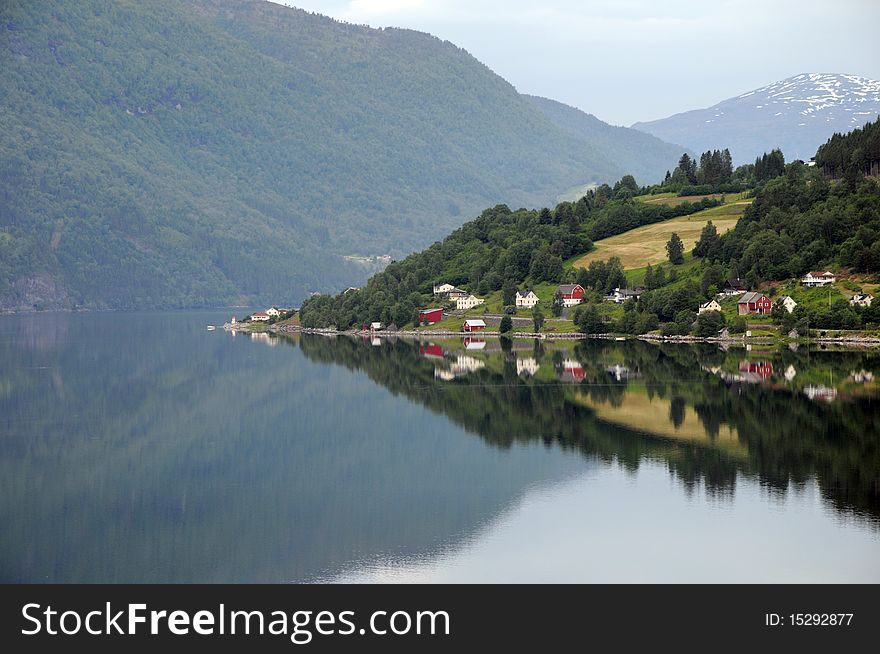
column 143, row 448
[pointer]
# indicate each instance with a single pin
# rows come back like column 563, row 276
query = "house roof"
column 862, row 296
column 475, row 323
column 260, row 313
column 751, row 296
column 525, row 293
column 814, row 273
column 706, row 304
column 735, row 283
column 568, row 288
column 430, row 310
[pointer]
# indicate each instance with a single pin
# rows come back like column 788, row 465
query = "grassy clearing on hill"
column 673, row 200
column 647, row 245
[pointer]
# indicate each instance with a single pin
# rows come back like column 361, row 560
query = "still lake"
column 139, row 447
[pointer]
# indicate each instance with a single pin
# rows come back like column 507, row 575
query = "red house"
column 754, row 303
column 572, row 294
column 431, row 351
column 474, row 325
column 430, row 316
column 761, row 369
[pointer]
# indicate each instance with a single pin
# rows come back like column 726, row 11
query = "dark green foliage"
column 558, row 305
column 798, row 222
column 707, row 242
column 506, row 325
column 589, row 321
column 537, row 319
column 738, row 325
column 769, row 166
column 602, row 276
column 709, row 323
column 172, row 153
column 675, row 249
column 856, row 153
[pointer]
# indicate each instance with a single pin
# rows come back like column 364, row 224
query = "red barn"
column 572, row 294
column 754, row 303
column 430, row 316
column 474, row 325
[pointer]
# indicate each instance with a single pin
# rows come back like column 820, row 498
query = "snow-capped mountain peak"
column 797, row 114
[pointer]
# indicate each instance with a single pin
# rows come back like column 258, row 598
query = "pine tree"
column 675, row 249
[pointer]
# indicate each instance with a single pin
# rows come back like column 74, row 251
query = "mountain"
column 206, row 152
column 638, row 153
column 796, row 115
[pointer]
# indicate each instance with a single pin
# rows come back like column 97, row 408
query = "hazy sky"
column 629, row 60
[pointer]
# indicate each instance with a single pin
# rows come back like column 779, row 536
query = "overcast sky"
column 629, row 60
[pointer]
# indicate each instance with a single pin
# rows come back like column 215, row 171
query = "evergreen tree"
column 508, row 292
column 557, row 305
column 708, row 239
column 537, row 319
column 506, row 325
column 649, row 278
column 675, row 249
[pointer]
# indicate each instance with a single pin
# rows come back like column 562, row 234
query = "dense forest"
column 500, row 249
column 853, row 154
column 192, row 152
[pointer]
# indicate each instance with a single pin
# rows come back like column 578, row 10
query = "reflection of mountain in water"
column 185, row 456
column 632, row 401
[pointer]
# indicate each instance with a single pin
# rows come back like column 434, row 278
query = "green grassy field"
column 672, row 200
column 647, row 245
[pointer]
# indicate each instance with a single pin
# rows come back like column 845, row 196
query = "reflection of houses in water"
column 462, row 365
column 473, row 343
column 862, row 376
column 621, row 372
column 527, row 366
column 376, row 341
column 572, row 371
column 820, row 392
column 431, row 351
column 264, row 337
column 790, row 373
column 754, row 372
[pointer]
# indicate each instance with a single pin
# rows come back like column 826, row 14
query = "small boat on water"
column 211, row 328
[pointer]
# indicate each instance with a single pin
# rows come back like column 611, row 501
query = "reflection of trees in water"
column 788, row 439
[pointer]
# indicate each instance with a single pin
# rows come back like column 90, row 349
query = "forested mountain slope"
column 185, row 153
column 638, row 153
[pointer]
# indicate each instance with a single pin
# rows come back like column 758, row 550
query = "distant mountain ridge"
column 797, row 115
column 180, row 153
column 636, row 151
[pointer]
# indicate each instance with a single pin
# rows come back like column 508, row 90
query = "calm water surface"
column 142, row 448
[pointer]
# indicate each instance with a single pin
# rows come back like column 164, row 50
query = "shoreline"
column 568, row 336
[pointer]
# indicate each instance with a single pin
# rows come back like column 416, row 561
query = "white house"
column 526, row 299
column 442, row 289
column 527, row 366
column 260, row 316
column 273, row 312
column 818, row 278
column 711, row 305
column 468, row 302
column 621, row 295
column 861, row 300
column 787, row 302
column 375, row 326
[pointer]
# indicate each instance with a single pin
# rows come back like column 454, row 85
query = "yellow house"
column 711, row 305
